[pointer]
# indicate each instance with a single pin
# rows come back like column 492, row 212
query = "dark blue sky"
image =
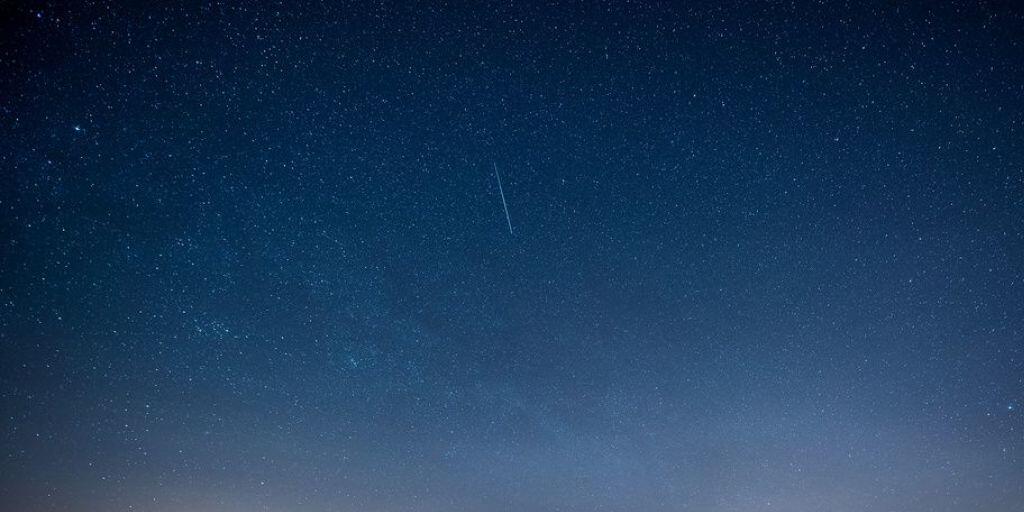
column 767, row 256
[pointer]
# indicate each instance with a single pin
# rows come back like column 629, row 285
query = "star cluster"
column 766, row 256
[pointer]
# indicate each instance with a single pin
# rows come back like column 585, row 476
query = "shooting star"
column 503, row 203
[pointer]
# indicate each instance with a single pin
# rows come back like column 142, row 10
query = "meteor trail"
column 503, row 203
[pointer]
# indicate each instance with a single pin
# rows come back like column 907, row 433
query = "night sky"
column 758, row 256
